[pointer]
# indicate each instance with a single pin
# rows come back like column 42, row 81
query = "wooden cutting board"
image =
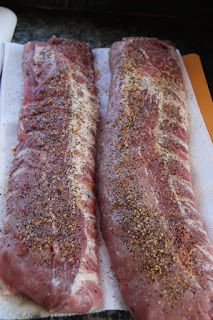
column 196, row 73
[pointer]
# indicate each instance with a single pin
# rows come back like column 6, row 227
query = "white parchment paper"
column 201, row 151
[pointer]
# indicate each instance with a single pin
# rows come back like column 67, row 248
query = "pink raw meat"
column 158, row 245
column 48, row 246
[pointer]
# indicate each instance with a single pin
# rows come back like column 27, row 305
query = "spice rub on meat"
column 159, row 248
column 48, row 245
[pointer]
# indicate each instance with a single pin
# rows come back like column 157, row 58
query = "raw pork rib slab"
column 159, row 248
column 48, row 247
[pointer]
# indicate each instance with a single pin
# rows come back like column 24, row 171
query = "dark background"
column 188, row 24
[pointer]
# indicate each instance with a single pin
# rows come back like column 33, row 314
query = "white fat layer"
column 184, row 184
column 25, row 152
column 81, row 139
column 206, row 253
column 55, row 282
column 19, row 171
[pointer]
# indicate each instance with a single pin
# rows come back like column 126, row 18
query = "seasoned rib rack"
column 159, row 248
column 48, row 245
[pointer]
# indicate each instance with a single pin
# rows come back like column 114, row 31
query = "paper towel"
column 11, row 98
column 201, row 151
column 201, row 155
